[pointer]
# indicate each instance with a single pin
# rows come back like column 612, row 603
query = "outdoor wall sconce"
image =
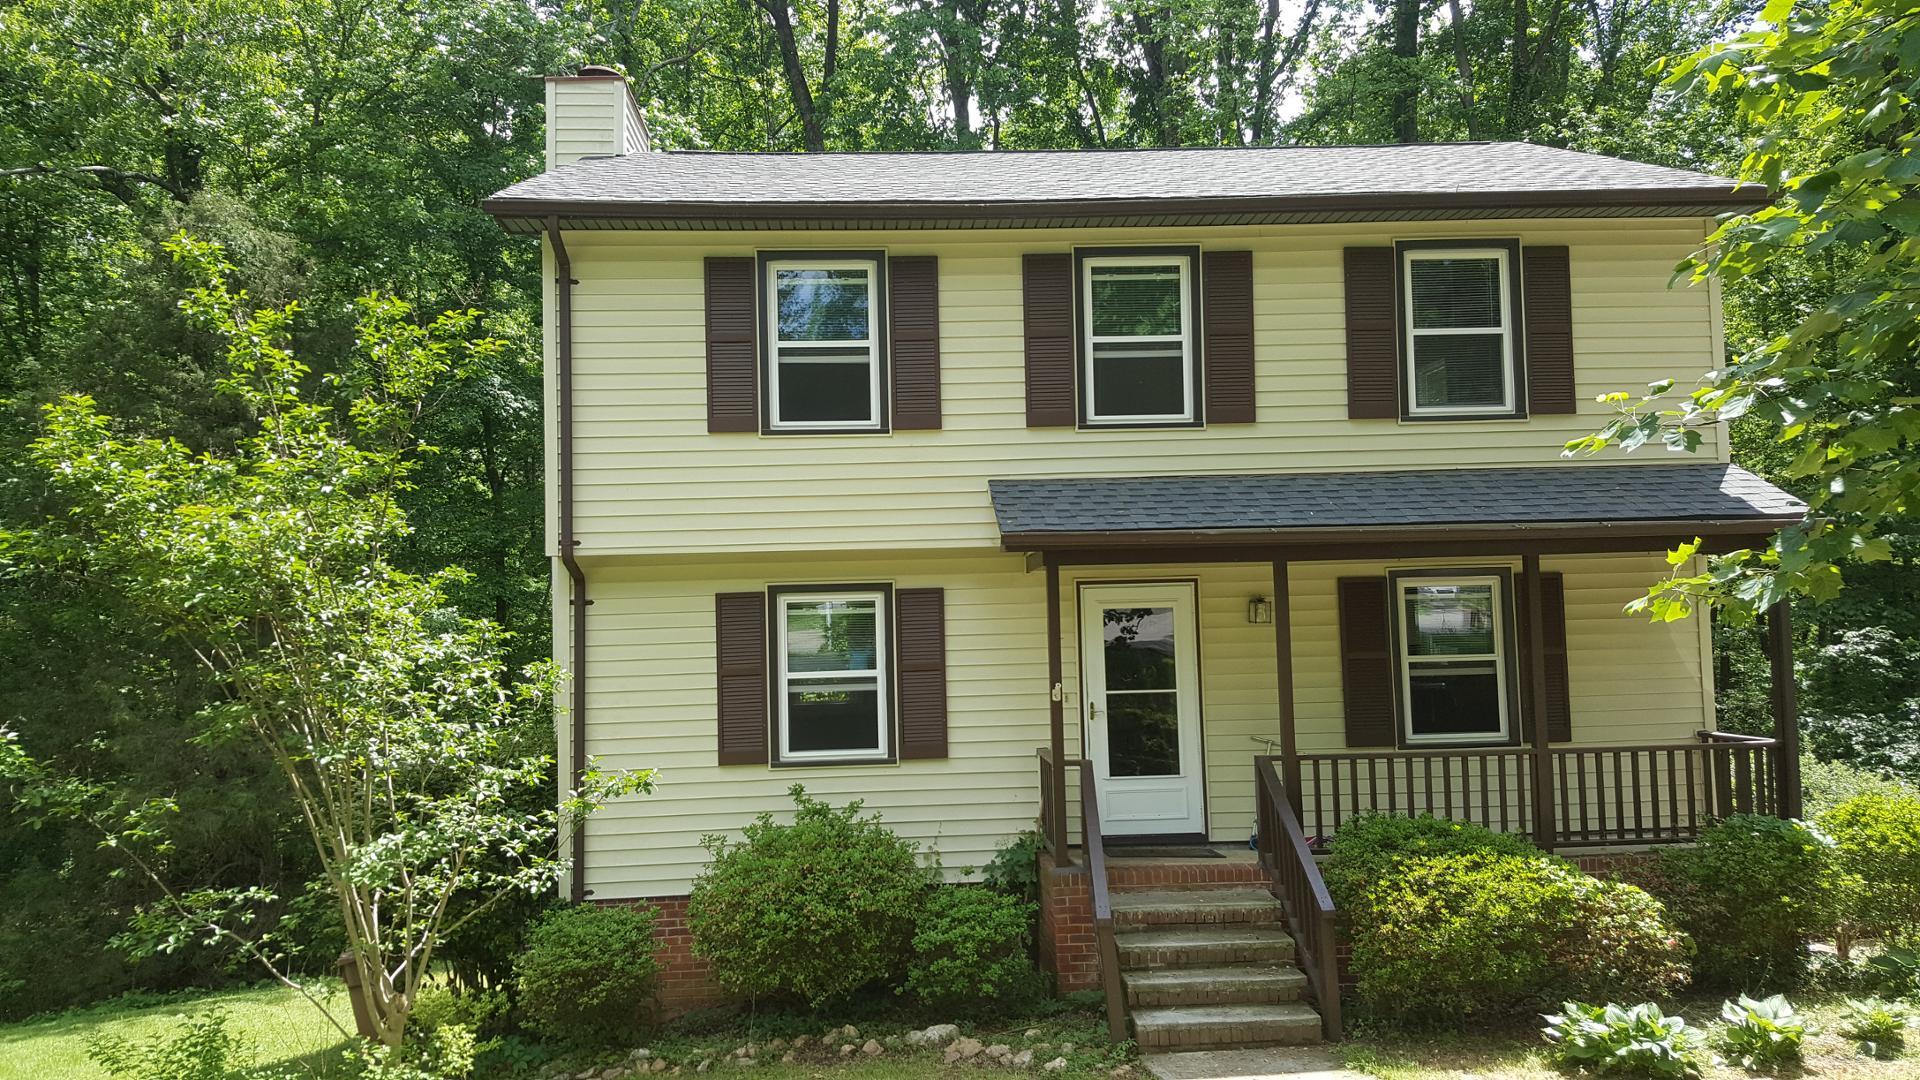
column 1259, row 610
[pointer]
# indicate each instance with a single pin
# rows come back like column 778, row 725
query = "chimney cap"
column 591, row 70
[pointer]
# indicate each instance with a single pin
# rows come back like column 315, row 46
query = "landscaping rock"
column 1000, row 1051
column 640, row 1054
column 1022, row 1060
column 801, row 1042
column 846, row 1049
column 963, row 1050
column 702, row 1067
column 659, row 1065
column 786, row 1058
column 872, row 1048
column 1033, row 1033
column 1122, row 1070
column 614, row 1073
column 936, row 1035
column 850, row 1032
column 1055, row 1065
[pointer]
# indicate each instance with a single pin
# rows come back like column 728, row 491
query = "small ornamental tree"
column 405, row 744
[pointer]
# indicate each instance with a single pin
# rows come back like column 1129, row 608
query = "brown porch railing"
column 1053, row 830
column 1598, row 795
column 1297, row 884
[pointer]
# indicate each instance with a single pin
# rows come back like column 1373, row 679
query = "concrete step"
column 1238, row 904
column 1240, row 984
column 1201, row 1027
column 1203, row 946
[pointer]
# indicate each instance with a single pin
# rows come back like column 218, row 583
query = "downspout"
column 563, row 283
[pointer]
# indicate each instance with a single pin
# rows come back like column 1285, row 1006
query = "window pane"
column 1458, row 370
column 1143, row 735
column 818, row 390
column 830, row 635
column 1139, row 381
column 833, row 716
column 1449, row 620
column 822, row 305
column 1455, row 293
column 1139, row 650
column 1133, row 300
column 1454, row 699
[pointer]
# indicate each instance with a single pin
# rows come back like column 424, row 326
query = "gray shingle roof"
column 1254, row 183
column 1270, row 503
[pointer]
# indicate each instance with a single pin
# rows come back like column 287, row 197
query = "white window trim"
column 1407, row 662
column 1184, row 338
column 774, row 344
column 1507, row 404
column 786, row 680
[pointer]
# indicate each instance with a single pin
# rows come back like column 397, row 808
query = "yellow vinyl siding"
column 650, row 478
column 651, row 693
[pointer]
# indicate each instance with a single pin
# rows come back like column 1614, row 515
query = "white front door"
column 1140, row 679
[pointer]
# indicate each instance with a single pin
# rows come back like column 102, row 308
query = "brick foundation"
column 686, row 981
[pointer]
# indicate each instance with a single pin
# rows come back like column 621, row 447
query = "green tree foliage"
column 391, row 719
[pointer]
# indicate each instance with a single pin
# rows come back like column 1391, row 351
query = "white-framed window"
column 823, row 328
column 1453, row 669
column 1137, row 327
column 830, row 657
column 1459, row 326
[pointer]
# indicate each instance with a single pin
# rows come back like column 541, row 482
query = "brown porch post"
column 1543, row 824
column 1283, row 667
column 1786, row 709
column 1057, row 710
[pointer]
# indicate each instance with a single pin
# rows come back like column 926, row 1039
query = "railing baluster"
column 1486, row 811
column 1639, row 803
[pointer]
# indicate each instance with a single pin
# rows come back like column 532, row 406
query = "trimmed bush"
column 1876, row 862
column 1752, row 892
column 588, row 973
column 814, row 910
column 971, row 951
column 1367, row 848
column 1456, row 937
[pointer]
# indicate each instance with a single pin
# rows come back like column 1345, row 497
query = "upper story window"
column 830, row 656
column 1453, row 657
column 1139, row 353
column 1458, row 304
column 824, row 350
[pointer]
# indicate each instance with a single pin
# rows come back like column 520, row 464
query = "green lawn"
column 280, row 1025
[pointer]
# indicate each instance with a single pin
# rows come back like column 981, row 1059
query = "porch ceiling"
column 1649, row 505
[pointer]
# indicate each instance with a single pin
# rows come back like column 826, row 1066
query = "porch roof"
column 1653, row 505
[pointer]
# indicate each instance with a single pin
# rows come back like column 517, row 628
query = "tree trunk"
column 957, row 60
column 1518, row 93
column 796, row 74
column 1463, row 64
column 1404, row 105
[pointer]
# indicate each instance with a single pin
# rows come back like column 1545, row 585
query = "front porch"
column 1448, row 692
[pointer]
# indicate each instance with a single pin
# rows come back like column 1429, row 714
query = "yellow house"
column 1190, row 498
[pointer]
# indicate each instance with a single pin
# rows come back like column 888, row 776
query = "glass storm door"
column 1140, row 676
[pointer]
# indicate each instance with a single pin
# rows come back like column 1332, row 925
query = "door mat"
column 1142, row 851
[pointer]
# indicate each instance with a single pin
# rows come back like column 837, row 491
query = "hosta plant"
column 1761, row 1034
column 1879, row 1026
column 1638, row 1041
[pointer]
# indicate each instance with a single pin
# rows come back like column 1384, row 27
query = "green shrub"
column 1015, row 869
column 1876, row 863
column 1752, row 892
column 1827, row 784
column 1895, row 971
column 588, row 973
column 1762, row 1034
column 442, row 1054
column 1607, row 1039
column 198, row 1048
column 483, row 1012
column 1880, row 1027
column 971, row 951
column 814, row 910
column 1366, row 848
column 1461, row 936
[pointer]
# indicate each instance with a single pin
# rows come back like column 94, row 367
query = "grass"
column 283, row 1028
column 1518, row 1053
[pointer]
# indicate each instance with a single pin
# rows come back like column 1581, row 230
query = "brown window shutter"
column 913, row 303
column 1051, row 348
column 1373, row 335
column 920, row 635
column 740, row 632
column 1553, row 608
column 1546, row 298
column 1366, row 662
column 1226, row 308
column 733, row 362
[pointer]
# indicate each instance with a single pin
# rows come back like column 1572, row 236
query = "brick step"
column 1235, row 904
column 1207, row 1027
column 1239, row 984
column 1203, row 946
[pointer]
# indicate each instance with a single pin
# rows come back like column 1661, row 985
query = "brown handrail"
column 1302, row 892
column 1096, row 855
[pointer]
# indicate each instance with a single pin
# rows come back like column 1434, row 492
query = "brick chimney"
column 591, row 113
